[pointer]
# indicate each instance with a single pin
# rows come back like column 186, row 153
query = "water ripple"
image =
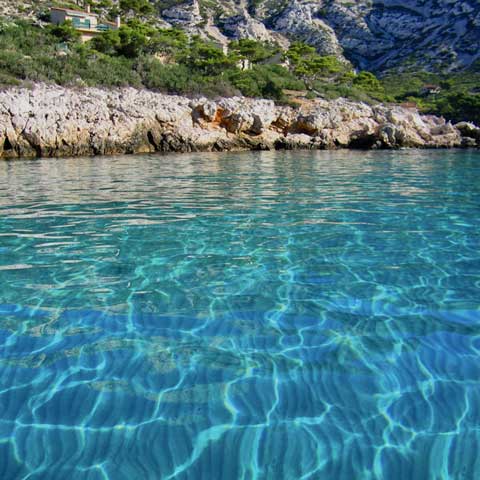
column 253, row 316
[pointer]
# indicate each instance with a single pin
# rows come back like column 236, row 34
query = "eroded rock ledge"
column 49, row 121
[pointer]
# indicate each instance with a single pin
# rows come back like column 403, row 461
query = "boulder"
column 469, row 131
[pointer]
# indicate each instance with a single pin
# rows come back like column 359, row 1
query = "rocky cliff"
column 54, row 121
column 437, row 35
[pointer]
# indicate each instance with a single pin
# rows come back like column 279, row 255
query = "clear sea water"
column 276, row 316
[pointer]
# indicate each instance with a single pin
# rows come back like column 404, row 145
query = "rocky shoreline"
column 52, row 121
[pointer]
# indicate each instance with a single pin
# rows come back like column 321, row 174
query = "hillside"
column 376, row 35
column 425, row 56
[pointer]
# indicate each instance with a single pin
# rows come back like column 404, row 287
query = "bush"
column 143, row 7
column 367, row 81
column 172, row 42
column 458, row 107
column 266, row 81
column 8, row 80
column 128, row 41
column 107, row 71
column 168, row 78
column 253, row 50
column 65, row 32
column 205, row 58
column 307, row 63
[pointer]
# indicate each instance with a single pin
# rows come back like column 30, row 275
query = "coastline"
column 53, row 121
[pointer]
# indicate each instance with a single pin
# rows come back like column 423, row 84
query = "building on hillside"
column 411, row 105
column 86, row 22
column 429, row 89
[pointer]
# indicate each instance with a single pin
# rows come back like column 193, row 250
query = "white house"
column 86, row 22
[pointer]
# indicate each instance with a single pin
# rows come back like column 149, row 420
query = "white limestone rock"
column 57, row 121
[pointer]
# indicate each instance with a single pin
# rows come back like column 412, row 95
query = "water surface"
column 241, row 316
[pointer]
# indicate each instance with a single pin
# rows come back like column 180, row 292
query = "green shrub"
column 143, row 7
column 172, row 42
column 307, row 63
column 253, row 50
column 206, row 58
column 266, row 81
column 167, row 78
column 458, row 107
column 65, row 32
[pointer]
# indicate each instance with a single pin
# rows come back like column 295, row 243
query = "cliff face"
column 437, row 35
column 54, row 121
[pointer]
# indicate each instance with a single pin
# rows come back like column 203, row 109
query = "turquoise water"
column 241, row 316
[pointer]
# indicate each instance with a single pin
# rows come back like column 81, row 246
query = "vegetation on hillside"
column 164, row 59
column 457, row 100
column 167, row 60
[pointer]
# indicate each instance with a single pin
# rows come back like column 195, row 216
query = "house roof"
column 75, row 12
column 409, row 105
